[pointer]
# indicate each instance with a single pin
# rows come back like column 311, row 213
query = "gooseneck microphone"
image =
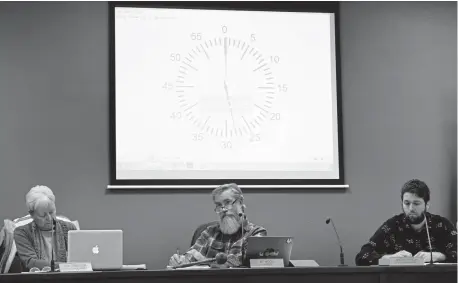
column 220, row 258
column 53, row 268
column 429, row 241
column 342, row 258
column 243, row 217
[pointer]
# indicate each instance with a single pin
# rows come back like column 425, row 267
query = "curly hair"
column 37, row 195
column 416, row 187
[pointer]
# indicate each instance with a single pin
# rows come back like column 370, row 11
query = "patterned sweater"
column 396, row 235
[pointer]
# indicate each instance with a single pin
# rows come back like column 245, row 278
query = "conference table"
column 351, row 274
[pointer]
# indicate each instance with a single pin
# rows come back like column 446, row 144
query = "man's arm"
column 448, row 244
column 198, row 251
column 26, row 250
column 377, row 247
column 194, row 253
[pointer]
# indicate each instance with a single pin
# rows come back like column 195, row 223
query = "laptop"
column 102, row 248
column 270, row 247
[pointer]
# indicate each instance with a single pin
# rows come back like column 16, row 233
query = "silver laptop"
column 270, row 247
column 102, row 248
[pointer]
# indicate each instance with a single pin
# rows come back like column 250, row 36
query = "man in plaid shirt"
column 225, row 236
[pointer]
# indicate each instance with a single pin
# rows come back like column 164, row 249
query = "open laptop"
column 102, row 248
column 270, row 247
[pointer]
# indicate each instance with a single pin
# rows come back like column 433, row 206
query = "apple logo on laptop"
column 95, row 249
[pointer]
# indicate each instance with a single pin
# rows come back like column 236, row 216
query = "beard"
column 415, row 219
column 229, row 224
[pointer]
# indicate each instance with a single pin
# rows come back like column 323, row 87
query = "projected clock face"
column 224, row 94
column 225, row 87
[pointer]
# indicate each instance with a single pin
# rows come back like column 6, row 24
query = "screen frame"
column 328, row 7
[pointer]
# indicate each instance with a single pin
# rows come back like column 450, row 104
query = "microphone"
column 220, row 258
column 242, row 215
column 429, row 241
column 342, row 262
column 52, row 244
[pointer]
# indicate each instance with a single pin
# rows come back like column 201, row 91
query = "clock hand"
column 229, row 102
column 225, row 78
column 225, row 59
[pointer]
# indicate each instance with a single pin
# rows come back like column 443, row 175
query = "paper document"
column 134, row 267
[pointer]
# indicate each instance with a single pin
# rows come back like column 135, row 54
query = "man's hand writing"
column 176, row 260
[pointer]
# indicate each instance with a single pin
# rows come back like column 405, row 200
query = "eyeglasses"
column 229, row 205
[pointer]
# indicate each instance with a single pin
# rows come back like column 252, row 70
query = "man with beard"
column 226, row 235
column 405, row 235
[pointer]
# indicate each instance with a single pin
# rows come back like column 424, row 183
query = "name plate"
column 303, row 263
column 75, row 267
column 402, row 261
column 266, row 262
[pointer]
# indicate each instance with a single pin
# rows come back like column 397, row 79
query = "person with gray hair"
column 226, row 235
column 35, row 241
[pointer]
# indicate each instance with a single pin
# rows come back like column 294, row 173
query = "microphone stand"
column 52, row 245
column 342, row 261
column 220, row 258
column 431, row 263
column 342, row 258
column 242, row 215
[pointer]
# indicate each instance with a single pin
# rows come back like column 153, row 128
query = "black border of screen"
column 284, row 6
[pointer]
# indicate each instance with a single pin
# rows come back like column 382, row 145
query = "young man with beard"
column 405, row 235
column 226, row 235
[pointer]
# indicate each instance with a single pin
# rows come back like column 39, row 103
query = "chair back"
column 27, row 219
column 7, row 246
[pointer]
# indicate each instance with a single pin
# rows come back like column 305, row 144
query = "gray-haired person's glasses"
column 219, row 208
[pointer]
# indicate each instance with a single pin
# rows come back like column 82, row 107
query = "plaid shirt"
column 396, row 235
column 213, row 241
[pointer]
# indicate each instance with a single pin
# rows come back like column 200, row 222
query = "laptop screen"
column 102, row 248
column 269, row 248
